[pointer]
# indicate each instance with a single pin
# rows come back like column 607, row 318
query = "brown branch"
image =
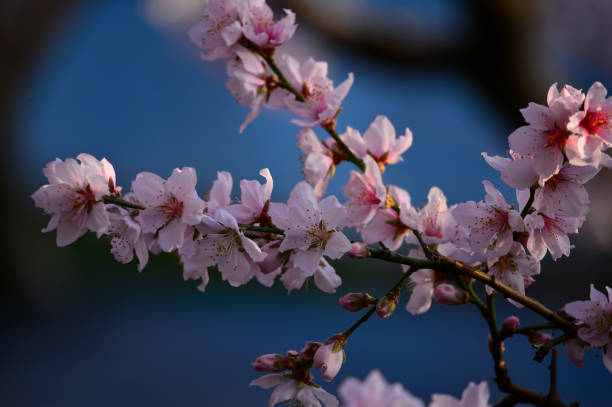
column 449, row 265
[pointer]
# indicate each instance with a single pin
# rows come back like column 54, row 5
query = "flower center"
column 83, row 199
column 173, row 209
column 595, row 122
column 556, row 137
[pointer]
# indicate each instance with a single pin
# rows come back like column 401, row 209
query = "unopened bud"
column 271, row 362
column 330, row 356
column 359, row 251
column 356, row 301
column 538, row 338
column 509, row 326
column 447, row 294
column 386, row 305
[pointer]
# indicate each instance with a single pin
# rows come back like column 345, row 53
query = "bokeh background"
column 119, row 79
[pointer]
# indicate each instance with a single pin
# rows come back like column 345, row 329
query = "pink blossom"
column 73, row 196
column 591, row 126
column 512, row 268
column 516, row 170
column 475, row 395
column 248, row 82
column 380, row 142
column 422, row 291
column 489, row 224
column 261, row 29
column 312, row 228
column 366, row 193
column 288, row 389
column 322, row 102
column 219, row 30
column 325, row 277
column 565, row 192
column 387, row 225
column 550, row 233
column 329, row 358
column 223, row 244
column 375, row 391
column 434, row 220
column 319, row 160
column 545, row 137
column 594, row 319
column 575, row 351
column 220, row 195
column 255, row 200
column 422, row 286
column 126, row 237
column 170, row 206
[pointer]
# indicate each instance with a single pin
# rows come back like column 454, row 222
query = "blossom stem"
column 263, row 229
column 525, row 330
column 424, row 246
column 361, row 320
column 392, row 257
column 547, row 346
column 120, row 202
column 284, row 83
column 527, row 207
column 397, row 287
column 269, row 58
column 443, row 263
column 350, row 156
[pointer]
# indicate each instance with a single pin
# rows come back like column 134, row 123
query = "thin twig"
column 547, row 346
column 367, row 315
column 525, row 210
column 120, row 202
column 263, row 229
column 350, row 156
column 553, row 393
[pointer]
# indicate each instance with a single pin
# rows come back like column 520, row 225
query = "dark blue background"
column 89, row 331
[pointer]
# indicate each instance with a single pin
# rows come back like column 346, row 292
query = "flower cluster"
column 298, row 383
column 244, row 33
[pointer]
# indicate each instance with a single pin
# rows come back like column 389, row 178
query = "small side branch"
column 547, row 346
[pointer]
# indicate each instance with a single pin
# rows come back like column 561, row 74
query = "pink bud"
column 538, row 338
column 356, row 301
column 509, row 326
column 386, row 305
column 447, row 294
column 328, row 359
column 359, row 251
column 271, row 362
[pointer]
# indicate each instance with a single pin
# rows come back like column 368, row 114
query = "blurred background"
column 120, row 79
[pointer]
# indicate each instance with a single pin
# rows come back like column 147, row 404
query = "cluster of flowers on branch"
column 450, row 247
